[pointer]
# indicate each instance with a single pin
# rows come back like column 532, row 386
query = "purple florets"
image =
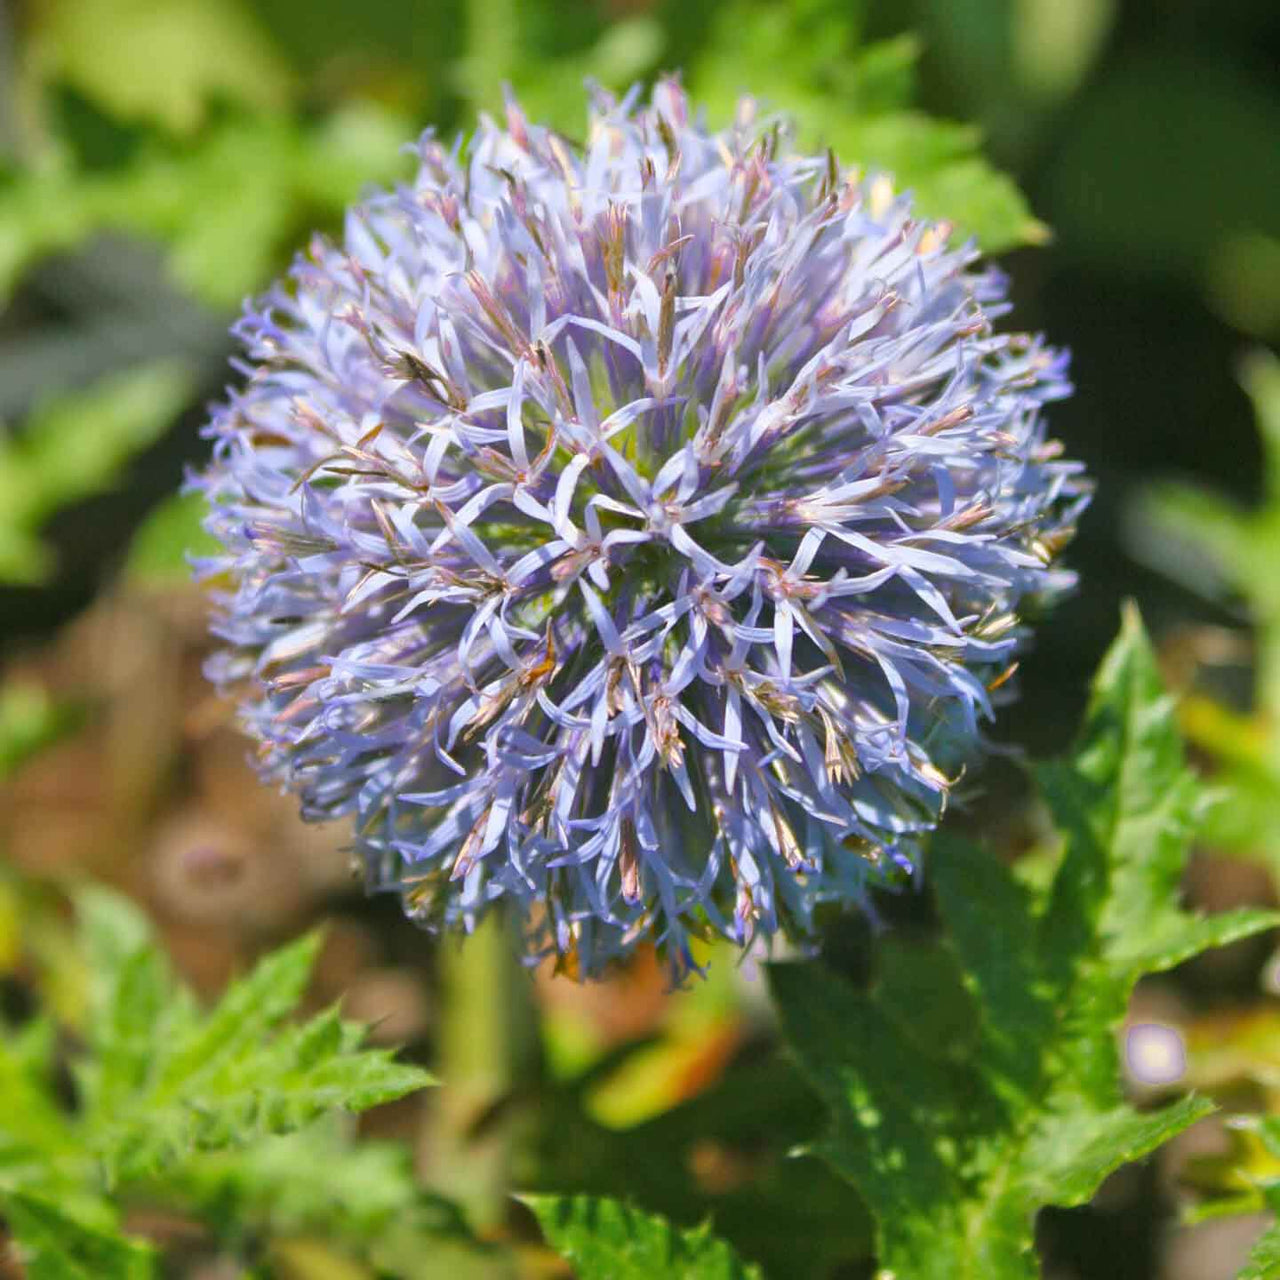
column 632, row 533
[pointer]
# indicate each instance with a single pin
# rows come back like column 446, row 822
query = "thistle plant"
column 633, row 533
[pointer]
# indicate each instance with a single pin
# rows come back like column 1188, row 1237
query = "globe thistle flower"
column 633, row 534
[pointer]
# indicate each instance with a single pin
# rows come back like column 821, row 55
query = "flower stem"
column 486, row 1041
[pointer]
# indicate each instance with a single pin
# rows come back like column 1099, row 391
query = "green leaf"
column 1197, row 536
column 1260, row 376
column 74, row 445
column 956, row 1141
column 323, row 1183
column 248, row 1012
column 607, row 1240
column 804, row 61
column 30, row 721
column 1264, row 1258
column 114, row 929
column 1128, row 807
column 180, row 1108
column 659, row 1163
column 34, row 1131
column 55, row 1246
column 229, row 204
column 164, row 1080
column 159, row 62
column 171, row 532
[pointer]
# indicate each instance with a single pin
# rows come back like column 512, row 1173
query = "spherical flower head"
column 633, row 532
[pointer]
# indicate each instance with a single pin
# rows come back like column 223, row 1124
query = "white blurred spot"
column 1271, row 976
column 1155, row 1054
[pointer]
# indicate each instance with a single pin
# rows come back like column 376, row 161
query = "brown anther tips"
column 666, row 320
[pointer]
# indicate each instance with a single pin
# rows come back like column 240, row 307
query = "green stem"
column 1267, row 674
column 485, row 1046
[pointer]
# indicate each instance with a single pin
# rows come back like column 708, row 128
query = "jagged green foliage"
column 361, row 1195
column 956, row 1137
column 56, row 1246
column 181, row 1105
column 608, row 1240
column 976, row 1080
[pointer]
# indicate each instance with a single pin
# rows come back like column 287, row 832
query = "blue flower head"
column 632, row 532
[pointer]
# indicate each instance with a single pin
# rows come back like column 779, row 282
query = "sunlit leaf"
column 955, row 1142
column 608, row 1240
column 158, row 554
column 165, row 1080
column 161, row 1080
column 160, row 62
column 55, row 1246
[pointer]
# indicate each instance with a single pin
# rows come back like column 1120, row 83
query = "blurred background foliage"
column 159, row 159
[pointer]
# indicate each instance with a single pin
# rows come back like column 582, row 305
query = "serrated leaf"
column 180, row 1108
column 116, row 933
column 956, row 1142
column 33, row 1130
column 125, row 1036
column 250, row 1008
column 55, row 1246
column 1128, row 807
column 166, row 1081
column 322, row 1181
column 605, row 1239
